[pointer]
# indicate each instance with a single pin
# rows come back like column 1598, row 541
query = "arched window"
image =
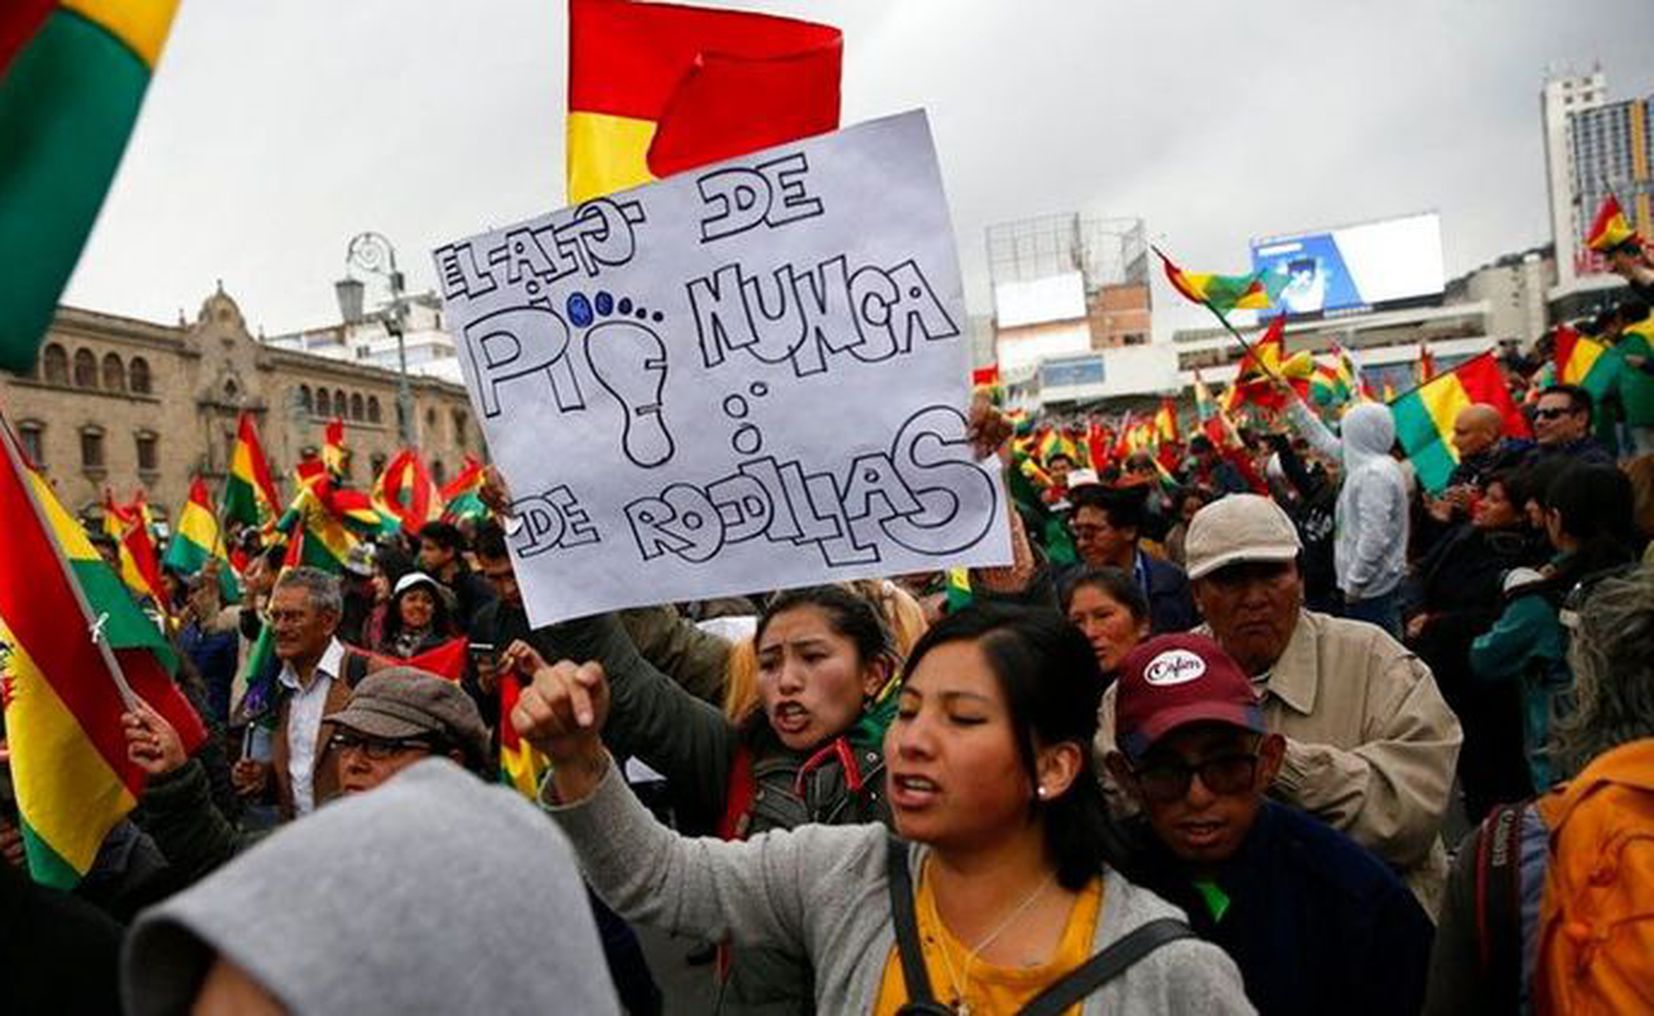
column 114, row 373
column 232, row 391
column 378, row 460
column 305, row 402
column 341, row 406
column 57, row 365
column 356, row 408
column 137, row 375
column 430, row 426
column 374, row 414
column 461, row 422
column 439, row 472
column 324, row 402
column 86, row 369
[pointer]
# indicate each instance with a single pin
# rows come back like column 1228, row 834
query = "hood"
column 435, row 892
column 1368, row 432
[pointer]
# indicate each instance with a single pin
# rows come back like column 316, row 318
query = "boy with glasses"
column 1315, row 922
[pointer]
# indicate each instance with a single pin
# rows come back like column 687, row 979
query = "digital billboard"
column 1038, row 301
column 1353, row 268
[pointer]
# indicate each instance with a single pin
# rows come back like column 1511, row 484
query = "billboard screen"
column 1039, row 301
column 1353, row 268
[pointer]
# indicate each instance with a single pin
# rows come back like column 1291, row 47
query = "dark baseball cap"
column 405, row 702
column 1173, row 680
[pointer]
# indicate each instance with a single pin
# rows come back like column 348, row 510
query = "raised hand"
column 562, row 711
column 151, row 741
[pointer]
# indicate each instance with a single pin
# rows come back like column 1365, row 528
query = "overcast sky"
column 277, row 129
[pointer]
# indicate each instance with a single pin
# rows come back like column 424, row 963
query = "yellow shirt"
column 988, row 988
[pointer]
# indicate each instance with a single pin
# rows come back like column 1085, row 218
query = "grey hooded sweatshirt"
column 1370, row 549
column 434, row 893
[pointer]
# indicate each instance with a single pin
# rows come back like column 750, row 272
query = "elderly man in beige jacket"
column 1371, row 745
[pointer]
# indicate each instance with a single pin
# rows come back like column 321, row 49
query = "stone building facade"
column 125, row 404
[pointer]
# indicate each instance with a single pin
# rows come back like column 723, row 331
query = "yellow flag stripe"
column 141, row 24
column 606, row 154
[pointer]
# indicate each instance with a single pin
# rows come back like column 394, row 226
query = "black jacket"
column 1315, row 922
column 58, row 954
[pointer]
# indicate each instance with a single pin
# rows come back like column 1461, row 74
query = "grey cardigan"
column 820, row 892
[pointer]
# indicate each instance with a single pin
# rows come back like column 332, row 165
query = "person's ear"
column 1055, row 768
column 875, row 676
column 1271, row 753
column 1198, row 588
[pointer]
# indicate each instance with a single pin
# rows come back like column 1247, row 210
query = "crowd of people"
column 1259, row 726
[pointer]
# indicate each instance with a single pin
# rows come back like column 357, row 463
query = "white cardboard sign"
column 748, row 376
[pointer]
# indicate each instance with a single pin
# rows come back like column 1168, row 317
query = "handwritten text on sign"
column 742, row 378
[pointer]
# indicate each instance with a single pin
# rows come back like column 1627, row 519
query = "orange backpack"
column 1596, row 921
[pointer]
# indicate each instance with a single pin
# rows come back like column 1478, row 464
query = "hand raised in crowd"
column 1416, row 625
column 250, row 777
column 494, row 493
column 987, row 428
column 562, row 710
column 151, row 741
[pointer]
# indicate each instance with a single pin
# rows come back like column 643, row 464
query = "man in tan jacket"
column 1370, row 743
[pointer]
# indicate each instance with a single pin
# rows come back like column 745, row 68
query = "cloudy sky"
column 277, row 129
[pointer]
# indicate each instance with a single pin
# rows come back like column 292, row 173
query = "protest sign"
column 748, row 376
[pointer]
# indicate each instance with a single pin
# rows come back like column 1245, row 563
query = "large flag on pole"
column 1424, row 416
column 140, row 568
column 462, row 496
column 655, row 89
column 249, row 494
column 72, row 77
column 1610, row 228
column 74, row 650
column 1221, row 293
column 1589, row 363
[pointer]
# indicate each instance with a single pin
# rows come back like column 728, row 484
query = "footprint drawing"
column 629, row 360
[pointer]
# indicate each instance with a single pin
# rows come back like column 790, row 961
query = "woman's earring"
column 1040, row 792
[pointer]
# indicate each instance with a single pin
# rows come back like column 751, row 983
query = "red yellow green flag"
column 73, row 649
column 140, row 569
column 197, row 540
column 406, row 492
column 655, row 89
column 1267, row 360
column 1221, row 293
column 249, row 494
column 462, row 496
column 1165, row 422
column 334, row 452
column 1424, row 416
column 72, row 77
column 1610, row 228
column 1587, row 362
column 521, row 766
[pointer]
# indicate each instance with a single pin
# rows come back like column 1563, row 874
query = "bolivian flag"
column 249, row 494
column 198, row 540
column 655, row 89
column 406, row 493
column 1267, row 359
column 1424, row 416
column 140, row 568
column 61, row 607
column 1220, row 293
column 72, row 77
column 1610, row 228
column 521, row 766
column 1586, row 362
column 461, row 497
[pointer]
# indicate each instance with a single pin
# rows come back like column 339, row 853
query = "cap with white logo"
column 1173, row 680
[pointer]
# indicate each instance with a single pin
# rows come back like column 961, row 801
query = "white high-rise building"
column 1561, row 98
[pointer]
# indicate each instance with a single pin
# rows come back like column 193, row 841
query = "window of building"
column 461, row 423
column 341, row 406
column 324, row 402
column 439, row 472
column 357, row 411
column 149, row 455
column 378, row 461
column 56, row 360
column 137, row 376
column 86, row 369
column 91, row 448
column 114, row 373
column 32, row 433
column 374, row 413
column 305, row 402
column 430, row 425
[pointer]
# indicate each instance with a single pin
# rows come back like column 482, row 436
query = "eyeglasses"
column 1165, row 782
column 377, row 748
column 1552, row 414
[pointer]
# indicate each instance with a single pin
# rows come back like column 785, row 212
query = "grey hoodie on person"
column 434, row 893
column 1370, row 551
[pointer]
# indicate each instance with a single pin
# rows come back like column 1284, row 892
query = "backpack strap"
column 1499, row 904
column 920, row 999
column 1106, row 965
column 355, row 668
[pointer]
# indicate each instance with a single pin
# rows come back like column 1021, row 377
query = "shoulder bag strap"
column 1106, row 965
column 907, row 925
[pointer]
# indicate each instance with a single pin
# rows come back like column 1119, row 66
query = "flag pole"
column 1247, row 346
column 94, row 626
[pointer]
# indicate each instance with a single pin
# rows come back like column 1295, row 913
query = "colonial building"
column 126, row 404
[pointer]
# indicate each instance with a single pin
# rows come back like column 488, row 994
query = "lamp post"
column 370, row 252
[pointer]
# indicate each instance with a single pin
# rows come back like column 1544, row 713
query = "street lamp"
column 372, row 253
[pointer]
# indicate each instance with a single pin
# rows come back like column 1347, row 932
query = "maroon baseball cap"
column 1173, row 680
